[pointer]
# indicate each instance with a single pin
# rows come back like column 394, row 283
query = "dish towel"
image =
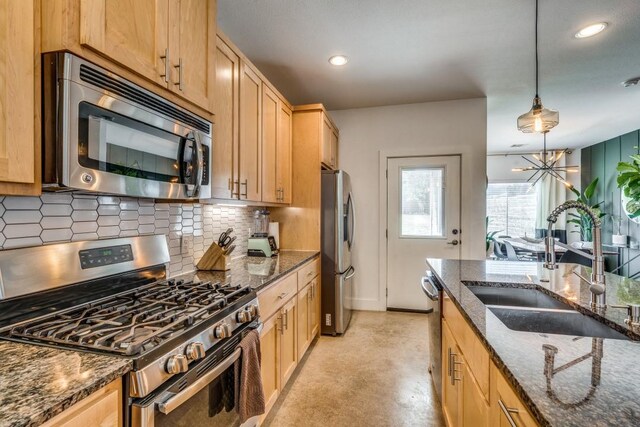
column 249, row 392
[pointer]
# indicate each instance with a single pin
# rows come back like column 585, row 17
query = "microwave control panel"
column 100, row 257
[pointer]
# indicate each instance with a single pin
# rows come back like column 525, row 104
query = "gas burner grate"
column 135, row 321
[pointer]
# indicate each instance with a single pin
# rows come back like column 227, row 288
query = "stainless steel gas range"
column 113, row 297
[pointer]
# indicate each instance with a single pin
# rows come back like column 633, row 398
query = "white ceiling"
column 406, row 51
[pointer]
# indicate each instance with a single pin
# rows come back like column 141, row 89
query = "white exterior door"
column 423, row 203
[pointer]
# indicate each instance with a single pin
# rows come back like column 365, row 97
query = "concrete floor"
column 374, row 375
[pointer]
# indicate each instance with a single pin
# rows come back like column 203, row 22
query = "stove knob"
column 223, row 330
column 177, row 364
column 244, row 316
column 254, row 310
column 194, row 351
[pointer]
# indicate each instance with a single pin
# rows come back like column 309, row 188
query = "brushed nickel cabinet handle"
column 179, row 67
column 282, row 295
column 234, row 184
column 246, row 188
column 166, row 65
column 507, row 413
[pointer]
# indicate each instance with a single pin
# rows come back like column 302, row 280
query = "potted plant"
column 491, row 237
column 629, row 182
column 580, row 219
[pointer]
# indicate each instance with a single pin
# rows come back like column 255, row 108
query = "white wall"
column 434, row 128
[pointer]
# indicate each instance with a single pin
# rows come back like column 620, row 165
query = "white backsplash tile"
column 58, row 217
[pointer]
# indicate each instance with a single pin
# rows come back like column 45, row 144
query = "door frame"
column 384, row 156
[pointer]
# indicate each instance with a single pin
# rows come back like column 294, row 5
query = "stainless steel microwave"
column 105, row 134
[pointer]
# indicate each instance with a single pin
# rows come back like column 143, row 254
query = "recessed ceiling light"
column 591, row 30
column 338, row 60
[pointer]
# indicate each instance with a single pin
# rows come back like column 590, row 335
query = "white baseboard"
column 366, row 304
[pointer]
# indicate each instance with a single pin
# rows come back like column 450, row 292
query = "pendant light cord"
column 537, row 79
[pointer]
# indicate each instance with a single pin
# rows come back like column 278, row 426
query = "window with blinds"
column 511, row 208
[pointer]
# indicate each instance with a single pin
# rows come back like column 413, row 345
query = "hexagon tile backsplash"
column 64, row 217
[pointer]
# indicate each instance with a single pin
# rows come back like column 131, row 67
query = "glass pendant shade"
column 538, row 119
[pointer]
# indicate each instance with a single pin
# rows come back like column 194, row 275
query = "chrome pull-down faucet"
column 597, row 283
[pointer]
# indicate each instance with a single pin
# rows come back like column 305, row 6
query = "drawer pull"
column 282, row 295
column 507, row 413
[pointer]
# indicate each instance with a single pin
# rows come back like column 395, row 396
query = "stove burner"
column 135, row 321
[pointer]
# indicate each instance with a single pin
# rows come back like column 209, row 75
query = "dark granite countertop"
column 601, row 390
column 256, row 271
column 37, row 383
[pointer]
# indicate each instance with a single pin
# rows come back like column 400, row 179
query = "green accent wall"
column 600, row 160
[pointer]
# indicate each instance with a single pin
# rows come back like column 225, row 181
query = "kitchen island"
column 597, row 384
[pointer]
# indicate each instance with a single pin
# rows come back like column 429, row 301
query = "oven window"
column 110, row 142
column 208, row 407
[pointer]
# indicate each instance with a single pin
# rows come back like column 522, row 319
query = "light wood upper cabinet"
column 19, row 98
column 192, row 50
column 270, row 191
column 250, row 174
column 334, row 149
column 102, row 408
column 284, row 150
column 134, row 33
column 224, row 183
column 329, row 156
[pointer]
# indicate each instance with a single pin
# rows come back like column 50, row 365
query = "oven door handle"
column 178, row 399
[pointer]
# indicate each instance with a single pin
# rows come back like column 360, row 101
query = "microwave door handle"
column 178, row 399
column 199, row 163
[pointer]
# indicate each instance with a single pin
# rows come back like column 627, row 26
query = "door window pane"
column 422, row 202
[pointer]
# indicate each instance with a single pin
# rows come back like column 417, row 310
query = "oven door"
column 110, row 144
column 199, row 397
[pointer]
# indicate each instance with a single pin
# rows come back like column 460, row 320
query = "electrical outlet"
column 185, row 241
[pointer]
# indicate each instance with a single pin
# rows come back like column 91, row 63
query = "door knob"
column 454, row 242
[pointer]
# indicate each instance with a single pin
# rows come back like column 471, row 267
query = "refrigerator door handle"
column 350, row 273
column 352, row 222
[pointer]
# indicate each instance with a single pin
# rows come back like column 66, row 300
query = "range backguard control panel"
column 100, row 257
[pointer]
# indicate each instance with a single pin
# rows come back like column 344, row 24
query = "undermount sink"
column 530, row 310
column 555, row 322
column 518, row 297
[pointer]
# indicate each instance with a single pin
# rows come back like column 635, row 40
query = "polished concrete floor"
column 374, row 375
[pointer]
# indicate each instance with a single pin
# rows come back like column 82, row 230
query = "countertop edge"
column 531, row 406
column 280, row 275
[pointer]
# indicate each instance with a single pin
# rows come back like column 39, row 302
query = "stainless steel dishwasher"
column 433, row 290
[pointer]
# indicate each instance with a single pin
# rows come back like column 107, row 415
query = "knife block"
column 214, row 259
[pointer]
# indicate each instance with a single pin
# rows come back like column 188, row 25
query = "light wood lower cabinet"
column 304, row 315
column 102, row 408
column 270, row 365
column 289, row 341
column 474, row 392
column 315, row 307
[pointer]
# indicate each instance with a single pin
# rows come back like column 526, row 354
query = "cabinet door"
column 334, row 149
column 475, row 409
column 451, row 378
column 315, row 306
column 224, row 183
column 304, row 320
column 193, row 46
column 101, row 408
column 250, row 134
column 288, row 346
column 269, row 145
column 270, row 364
column 506, row 407
column 132, row 32
column 284, row 150
column 17, row 92
column 326, row 141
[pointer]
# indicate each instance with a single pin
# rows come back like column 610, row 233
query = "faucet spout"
column 597, row 284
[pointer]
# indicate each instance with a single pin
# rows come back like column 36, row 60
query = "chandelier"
column 539, row 119
column 546, row 163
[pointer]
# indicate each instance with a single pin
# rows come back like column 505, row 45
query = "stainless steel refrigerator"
column 338, row 223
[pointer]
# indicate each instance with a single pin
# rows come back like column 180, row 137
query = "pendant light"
column 539, row 119
column 546, row 164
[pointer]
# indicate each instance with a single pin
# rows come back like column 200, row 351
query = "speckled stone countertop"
column 37, row 383
column 601, row 390
column 255, row 271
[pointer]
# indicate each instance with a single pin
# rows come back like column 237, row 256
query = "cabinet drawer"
column 277, row 294
column 474, row 352
column 308, row 272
